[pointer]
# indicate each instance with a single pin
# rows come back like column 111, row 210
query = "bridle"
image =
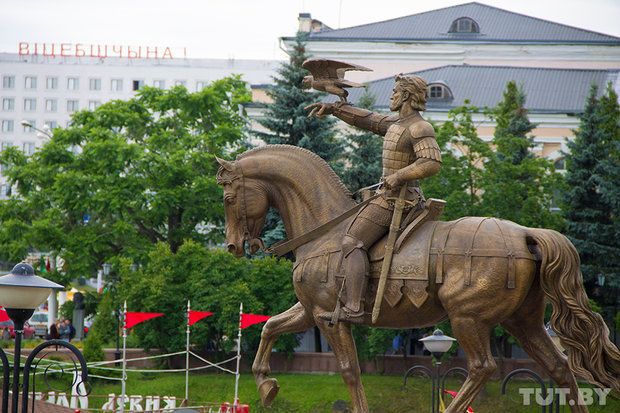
column 254, row 243
column 282, row 247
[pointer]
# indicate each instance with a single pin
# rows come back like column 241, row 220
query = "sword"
column 399, row 206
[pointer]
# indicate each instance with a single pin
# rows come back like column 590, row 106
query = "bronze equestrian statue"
column 478, row 272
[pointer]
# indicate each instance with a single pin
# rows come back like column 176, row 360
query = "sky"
column 241, row 29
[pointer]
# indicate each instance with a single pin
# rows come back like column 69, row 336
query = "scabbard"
column 399, row 206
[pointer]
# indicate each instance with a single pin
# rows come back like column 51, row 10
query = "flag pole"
column 187, row 358
column 237, row 375
column 124, row 377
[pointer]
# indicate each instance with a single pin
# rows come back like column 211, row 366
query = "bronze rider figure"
column 410, row 153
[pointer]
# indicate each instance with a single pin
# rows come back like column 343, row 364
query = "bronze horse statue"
column 479, row 272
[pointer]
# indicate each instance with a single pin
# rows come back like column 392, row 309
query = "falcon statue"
column 328, row 76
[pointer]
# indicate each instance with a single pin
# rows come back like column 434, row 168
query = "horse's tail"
column 583, row 333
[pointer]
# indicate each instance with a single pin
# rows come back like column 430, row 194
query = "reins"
column 282, row 247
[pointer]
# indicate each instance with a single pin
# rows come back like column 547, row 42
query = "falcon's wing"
column 330, row 69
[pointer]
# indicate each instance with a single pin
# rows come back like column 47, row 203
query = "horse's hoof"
column 268, row 391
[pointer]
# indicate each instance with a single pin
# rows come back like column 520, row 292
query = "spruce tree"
column 518, row 185
column 286, row 122
column 286, row 119
column 590, row 204
column 364, row 153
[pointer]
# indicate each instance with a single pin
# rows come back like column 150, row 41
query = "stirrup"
column 341, row 314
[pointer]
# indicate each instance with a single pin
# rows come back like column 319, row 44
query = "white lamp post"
column 21, row 292
column 438, row 344
column 41, row 134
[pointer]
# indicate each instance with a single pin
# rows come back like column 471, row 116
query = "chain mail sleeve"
column 365, row 119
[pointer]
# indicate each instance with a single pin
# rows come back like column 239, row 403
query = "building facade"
column 467, row 34
column 470, row 51
column 44, row 91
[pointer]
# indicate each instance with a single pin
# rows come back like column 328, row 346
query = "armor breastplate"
column 393, row 159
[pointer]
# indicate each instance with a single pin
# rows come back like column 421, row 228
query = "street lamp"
column 106, row 269
column 41, row 134
column 438, row 344
column 21, row 292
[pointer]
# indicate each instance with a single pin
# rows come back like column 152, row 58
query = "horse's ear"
column 225, row 164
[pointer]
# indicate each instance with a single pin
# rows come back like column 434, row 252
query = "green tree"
column 364, row 153
column 590, row 203
column 124, row 177
column 463, row 153
column 518, row 185
column 213, row 280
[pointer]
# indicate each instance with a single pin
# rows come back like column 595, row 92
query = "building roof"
column 494, row 24
column 547, row 90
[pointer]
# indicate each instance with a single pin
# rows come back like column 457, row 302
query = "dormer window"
column 438, row 91
column 464, row 25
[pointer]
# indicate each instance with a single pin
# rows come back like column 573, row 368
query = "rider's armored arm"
column 364, row 119
column 427, row 154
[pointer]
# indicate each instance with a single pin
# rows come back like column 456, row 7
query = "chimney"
column 305, row 22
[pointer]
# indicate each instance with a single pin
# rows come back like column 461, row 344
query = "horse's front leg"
column 293, row 320
column 341, row 341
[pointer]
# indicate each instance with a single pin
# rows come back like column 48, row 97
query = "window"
column 201, row 85
column 8, row 126
column 93, row 104
column 51, row 83
column 30, row 105
column 51, row 105
column 5, row 190
column 50, row 125
column 28, row 148
column 117, row 85
column 8, row 82
column 4, row 169
column 73, row 83
column 159, row 83
column 30, row 129
column 137, row 84
column 180, row 82
column 73, row 105
column 560, row 164
column 5, row 145
column 464, row 25
column 95, row 84
column 8, row 104
column 438, row 91
column 30, row 82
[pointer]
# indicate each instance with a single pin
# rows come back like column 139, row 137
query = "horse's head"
column 246, row 206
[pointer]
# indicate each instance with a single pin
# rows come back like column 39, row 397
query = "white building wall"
column 193, row 73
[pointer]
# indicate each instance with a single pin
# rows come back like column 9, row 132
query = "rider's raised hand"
column 320, row 109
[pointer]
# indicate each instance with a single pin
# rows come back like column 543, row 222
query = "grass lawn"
column 316, row 393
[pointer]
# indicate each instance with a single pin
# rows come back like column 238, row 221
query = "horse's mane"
column 290, row 151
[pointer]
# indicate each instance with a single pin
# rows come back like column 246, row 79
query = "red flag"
column 131, row 319
column 250, row 319
column 195, row 316
column 3, row 315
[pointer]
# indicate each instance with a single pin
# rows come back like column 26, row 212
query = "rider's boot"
column 355, row 281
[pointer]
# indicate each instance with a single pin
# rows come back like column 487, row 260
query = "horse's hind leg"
column 295, row 319
column 473, row 337
column 526, row 325
column 341, row 341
